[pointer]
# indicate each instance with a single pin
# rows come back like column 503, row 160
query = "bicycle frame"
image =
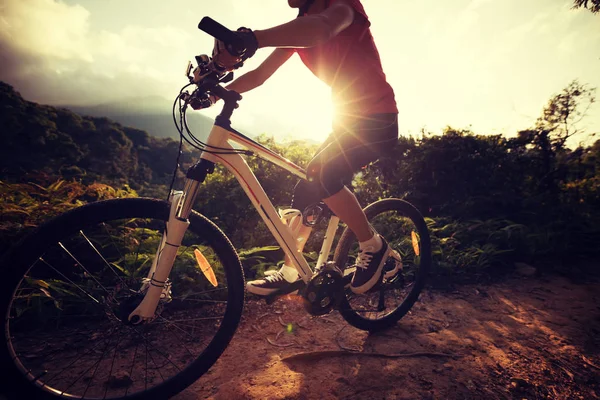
column 224, row 138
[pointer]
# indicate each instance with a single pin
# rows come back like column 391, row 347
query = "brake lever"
column 227, row 78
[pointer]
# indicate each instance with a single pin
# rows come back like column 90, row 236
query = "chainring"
column 323, row 292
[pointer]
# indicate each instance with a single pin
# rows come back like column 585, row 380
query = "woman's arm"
column 308, row 31
column 258, row 76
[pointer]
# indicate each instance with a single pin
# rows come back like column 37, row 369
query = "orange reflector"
column 205, row 268
column 415, row 242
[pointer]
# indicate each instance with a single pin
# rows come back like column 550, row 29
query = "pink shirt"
column 350, row 64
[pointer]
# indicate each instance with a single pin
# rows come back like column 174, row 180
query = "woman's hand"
column 228, row 59
column 223, row 59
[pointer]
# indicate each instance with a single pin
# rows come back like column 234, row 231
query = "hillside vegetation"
column 489, row 200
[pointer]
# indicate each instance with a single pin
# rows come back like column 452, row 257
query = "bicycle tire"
column 341, row 257
column 18, row 262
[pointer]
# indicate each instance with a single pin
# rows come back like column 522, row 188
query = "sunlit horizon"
column 469, row 64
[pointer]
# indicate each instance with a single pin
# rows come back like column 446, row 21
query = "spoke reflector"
column 206, row 268
column 415, row 242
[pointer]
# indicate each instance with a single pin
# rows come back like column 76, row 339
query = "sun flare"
column 299, row 101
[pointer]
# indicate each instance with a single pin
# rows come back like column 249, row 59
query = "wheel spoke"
column 70, row 281
column 153, row 362
column 95, row 366
column 132, row 365
column 64, row 323
column 182, row 330
column 74, row 361
column 155, row 348
column 53, row 353
column 399, row 223
column 137, row 252
column 85, row 269
column 112, row 364
column 103, row 259
column 112, row 240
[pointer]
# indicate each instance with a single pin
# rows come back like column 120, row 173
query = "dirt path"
column 524, row 338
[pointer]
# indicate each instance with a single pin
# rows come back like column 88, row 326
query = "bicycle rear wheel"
column 405, row 272
column 69, row 288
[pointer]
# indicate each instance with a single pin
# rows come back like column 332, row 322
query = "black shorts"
column 348, row 149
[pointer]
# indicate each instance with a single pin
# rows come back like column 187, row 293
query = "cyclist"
column 333, row 39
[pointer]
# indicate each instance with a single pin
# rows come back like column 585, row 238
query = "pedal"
column 378, row 286
column 298, row 285
column 393, row 265
column 348, row 275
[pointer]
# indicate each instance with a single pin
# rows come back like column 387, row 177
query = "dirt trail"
column 524, row 338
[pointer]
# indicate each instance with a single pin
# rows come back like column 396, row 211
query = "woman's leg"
column 345, row 205
column 335, row 165
column 339, row 157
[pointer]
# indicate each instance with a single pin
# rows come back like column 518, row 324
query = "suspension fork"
column 181, row 206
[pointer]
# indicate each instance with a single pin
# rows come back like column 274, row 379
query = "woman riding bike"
column 333, row 39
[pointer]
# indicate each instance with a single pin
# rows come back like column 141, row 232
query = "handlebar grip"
column 221, row 33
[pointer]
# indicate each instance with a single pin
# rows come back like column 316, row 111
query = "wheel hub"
column 127, row 306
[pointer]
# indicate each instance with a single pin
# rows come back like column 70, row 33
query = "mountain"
column 40, row 140
column 152, row 114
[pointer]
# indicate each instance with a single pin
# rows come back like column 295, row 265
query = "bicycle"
column 91, row 307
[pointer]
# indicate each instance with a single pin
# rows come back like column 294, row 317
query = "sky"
column 489, row 66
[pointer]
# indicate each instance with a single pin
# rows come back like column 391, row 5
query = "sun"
column 300, row 102
column 291, row 105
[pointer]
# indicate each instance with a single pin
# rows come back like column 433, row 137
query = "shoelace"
column 364, row 259
column 275, row 277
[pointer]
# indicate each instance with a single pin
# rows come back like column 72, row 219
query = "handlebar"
column 208, row 76
column 233, row 42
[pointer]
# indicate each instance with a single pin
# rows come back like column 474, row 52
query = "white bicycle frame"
column 222, row 141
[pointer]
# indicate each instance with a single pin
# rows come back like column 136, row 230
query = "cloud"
column 49, row 52
column 46, row 27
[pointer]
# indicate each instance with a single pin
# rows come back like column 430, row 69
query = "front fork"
column 156, row 284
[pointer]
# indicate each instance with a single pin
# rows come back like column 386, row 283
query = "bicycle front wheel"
column 405, row 272
column 68, row 289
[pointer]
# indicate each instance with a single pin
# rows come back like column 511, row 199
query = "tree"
column 564, row 111
column 592, row 5
column 558, row 123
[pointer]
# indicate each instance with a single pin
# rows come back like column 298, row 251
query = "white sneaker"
column 369, row 268
column 270, row 284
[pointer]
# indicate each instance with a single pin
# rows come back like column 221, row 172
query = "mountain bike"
column 137, row 298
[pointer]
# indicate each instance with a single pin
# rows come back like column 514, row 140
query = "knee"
column 306, row 193
column 313, row 171
column 326, row 177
